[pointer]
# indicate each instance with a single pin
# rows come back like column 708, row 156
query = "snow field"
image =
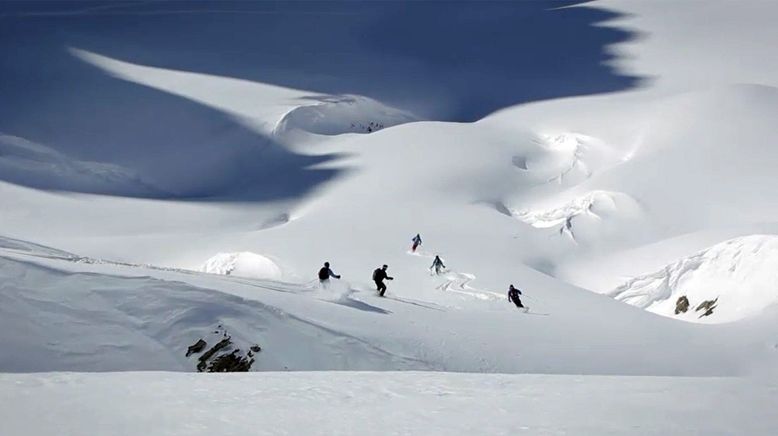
column 358, row 403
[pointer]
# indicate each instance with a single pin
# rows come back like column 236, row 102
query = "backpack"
column 376, row 273
column 324, row 274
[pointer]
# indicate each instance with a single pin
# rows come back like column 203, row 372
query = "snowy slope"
column 60, row 311
column 282, row 110
column 36, row 165
column 738, row 275
column 601, row 157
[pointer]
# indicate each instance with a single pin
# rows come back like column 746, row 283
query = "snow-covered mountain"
column 174, row 174
column 735, row 278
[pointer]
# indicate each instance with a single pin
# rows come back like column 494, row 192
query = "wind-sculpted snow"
column 566, row 158
column 333, row 115
column 739, row 276
column 283, row 110
column 592, row 218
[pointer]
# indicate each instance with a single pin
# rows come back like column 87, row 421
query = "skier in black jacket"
column 378, row 277
column 325, row 273
column 416, row 242
column 513, row 296
column 437, row 265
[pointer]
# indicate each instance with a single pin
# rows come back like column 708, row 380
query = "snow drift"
column 244, row 264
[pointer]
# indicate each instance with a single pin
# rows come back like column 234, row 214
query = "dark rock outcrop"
column 196, row 348
column 233, row 362
column 682, row 305
column 203, row 363
column 224, row 356
column 707, row 307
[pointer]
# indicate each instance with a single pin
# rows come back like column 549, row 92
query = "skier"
column 416, row 242
column 513, row 296
column 325, row 273
column 378, row 277
column 437, row 265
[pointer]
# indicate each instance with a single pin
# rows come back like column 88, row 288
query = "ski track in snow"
column 456, row 282
column 459, row 283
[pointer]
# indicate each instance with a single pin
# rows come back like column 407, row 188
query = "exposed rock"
column 196, row 348
column 682, row 305
column 203, row 364
column 232, row 362
column 707, row 306
column 224, row 356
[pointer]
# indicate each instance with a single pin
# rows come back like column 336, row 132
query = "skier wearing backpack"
column 513, row 296
column 437, row 265
column 378, row 277
column 416, row 242
column 325, row 273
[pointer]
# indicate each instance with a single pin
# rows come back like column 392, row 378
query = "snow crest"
column 738, row 276
column 337, row 114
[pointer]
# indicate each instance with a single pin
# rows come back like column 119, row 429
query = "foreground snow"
column 359, row 403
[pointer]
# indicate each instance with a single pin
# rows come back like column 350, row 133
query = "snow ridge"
column 738, row 274
column 601, row 212
column 337, row 114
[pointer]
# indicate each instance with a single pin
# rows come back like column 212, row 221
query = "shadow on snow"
column 443, row 60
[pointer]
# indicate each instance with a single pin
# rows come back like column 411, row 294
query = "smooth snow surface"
column 360, row 403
